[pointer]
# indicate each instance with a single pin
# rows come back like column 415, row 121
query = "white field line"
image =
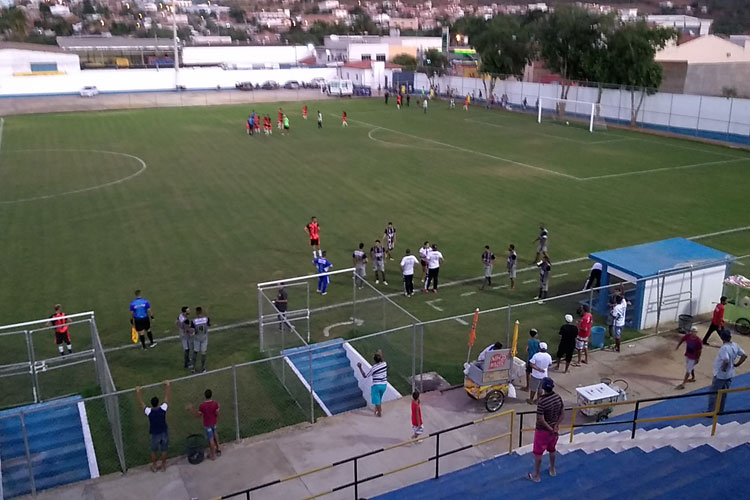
column 552, row 136
column 528, row 281
column 466, row 294
column 370, row 135
column 739, row 263
column 663, row 169
column 2, row 126
column 463, row 322
column 499, row 287
column 479, row 153
column 396, row 294
column 608, row 141
column 559, row 275
column 431, row 303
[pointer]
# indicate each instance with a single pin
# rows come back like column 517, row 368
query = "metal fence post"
column 356, row 481
column 354, row 297
column 508, row 327
column 698, row 119
column 437, row 456
column 312, row 389
column 635, row 418
column 236, row 404
column 414, row 358
column 421, row 357
column 520, row 431
column 28, row 454
column 729, row 118
column 260, row 318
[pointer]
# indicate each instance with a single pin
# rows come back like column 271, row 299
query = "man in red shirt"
column 304, row 112
column 209, row 410
column 717, row 322
column 281, row 119
column 313, row 231
column 62, row 334
column 693, row 348
column 584, row 332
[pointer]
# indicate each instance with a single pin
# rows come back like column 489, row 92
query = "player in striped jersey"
column 389, row 235
column 200, row 338
column 424, row 252
column 541, row 241
column 379, row 374
column 377, row 254
column 359, row 259
column 511, row 263
column 545, row 266
column 488, row 260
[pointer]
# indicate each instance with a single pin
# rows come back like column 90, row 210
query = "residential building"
column 404, row 23
column 684, row 24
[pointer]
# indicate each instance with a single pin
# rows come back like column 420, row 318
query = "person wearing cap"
column 539, row 365
column 568, row 335
column 717, row 320
column 584, row 332
column 549, row 416
column 730, row 356
column 693, row 348
column 492, row 347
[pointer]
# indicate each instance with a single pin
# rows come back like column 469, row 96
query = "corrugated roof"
column 37, row 47
column 112, row 43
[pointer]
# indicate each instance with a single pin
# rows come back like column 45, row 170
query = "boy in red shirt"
column 281, row 119
column 416, row 416
column 584, row 332
column 343, row 119
column 209, row 410
column 717, row 321
column 304, row 112
column 693, row 349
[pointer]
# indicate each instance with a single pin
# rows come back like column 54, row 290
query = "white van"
column 340, row 87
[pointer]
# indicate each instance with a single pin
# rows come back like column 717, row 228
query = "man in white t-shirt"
column 407, row 269
column 618, row 314
column 434, row 259
column 424, row 251
column 540, row 362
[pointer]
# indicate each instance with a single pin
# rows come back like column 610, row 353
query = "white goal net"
column 564, row 111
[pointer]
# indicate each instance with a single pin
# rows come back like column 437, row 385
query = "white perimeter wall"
column 710, row 114
column 245, row 54
column 19, row 61
column 126, row 80
column 707, row 285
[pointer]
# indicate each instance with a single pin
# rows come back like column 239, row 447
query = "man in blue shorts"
column 157, row 426
column 140, row 318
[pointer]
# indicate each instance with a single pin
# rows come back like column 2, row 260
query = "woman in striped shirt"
column 379, row 374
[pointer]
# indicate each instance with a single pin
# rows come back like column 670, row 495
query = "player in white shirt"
column 423, row 253
column 434, row 259
column 407, row 269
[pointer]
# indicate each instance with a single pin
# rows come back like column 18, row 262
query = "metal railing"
column 714, row 415
column 356, row 480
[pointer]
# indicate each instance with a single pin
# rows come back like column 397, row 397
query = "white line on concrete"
column 466, row 294
column 479, row 153
column 462, row 321
column 431, row 303
column 663, row 169
column 559, row 275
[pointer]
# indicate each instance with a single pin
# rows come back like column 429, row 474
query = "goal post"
column 566, row 110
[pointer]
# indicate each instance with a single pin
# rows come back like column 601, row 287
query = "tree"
column 237, row 13
column 632, row 49
column 504, row 46
column 435, row 64
column 568, row 37
column 407, row 62
column 13, row 20
column 88, row 7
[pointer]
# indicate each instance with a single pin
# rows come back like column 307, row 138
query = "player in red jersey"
column 257, row 124
column 280, row 124
column 313, row 231
column 398, row 101
column 62, row 335
column 343, row 119
column 304, row 112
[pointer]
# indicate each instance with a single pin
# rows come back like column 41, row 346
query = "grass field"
column 183, row 205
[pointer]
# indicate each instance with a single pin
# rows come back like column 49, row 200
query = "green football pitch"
column 182, row 204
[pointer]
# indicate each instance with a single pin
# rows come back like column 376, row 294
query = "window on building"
column 380, row 57
column 43, row 66
column 366, row 57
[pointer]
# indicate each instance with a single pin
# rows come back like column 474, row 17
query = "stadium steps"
column 56, row 444
column 666, row 460
column 333, row 377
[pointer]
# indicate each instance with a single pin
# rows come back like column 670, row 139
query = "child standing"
column 417, row 426
column 532, row 347
column 343, row 119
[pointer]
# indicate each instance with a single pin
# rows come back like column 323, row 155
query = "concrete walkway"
column 650, row 366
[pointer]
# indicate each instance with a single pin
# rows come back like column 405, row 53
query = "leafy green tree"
column 435, row 64
column 237, row 13
column 407, row 62
column 88, row 7
column 632, row 49
column 13, row 21
column 568, row 37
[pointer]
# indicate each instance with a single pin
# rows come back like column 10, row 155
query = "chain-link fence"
column 725, row 119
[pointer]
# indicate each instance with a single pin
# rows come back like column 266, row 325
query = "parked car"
column 317, row 83
column 291, row 84
column 244, row 86
column 269, row 85
column 362, row 90
column 89, row 91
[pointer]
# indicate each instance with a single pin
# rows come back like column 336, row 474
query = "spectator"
column 595, row 277
column 157, row 426
column 717, row 321
column 417, row 425
column 549, row 416
column 619, row 312
column 281, row 303
column 724, row 366
column 497, row 346
column 584, row 332
column 532, row 347
column 539, row 365
column 568, row 336
column 693, row 348
column 209, row 410
column 379, row 374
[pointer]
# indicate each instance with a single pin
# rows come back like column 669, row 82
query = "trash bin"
column 685, row 323
column 196, row 445
column 597, row 337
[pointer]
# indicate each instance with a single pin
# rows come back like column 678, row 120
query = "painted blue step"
column 39, row 439
column 327, row 368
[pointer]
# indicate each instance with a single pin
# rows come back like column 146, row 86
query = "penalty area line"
column 664, row 169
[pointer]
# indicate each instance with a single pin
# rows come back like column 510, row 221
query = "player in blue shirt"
column 140, row 318
column 324, row 265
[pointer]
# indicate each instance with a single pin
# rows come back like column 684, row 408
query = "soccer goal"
column 570, row 112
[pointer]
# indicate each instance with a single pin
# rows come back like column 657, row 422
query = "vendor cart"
column 489, row 379
column 604, row 392
column 737, row 309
